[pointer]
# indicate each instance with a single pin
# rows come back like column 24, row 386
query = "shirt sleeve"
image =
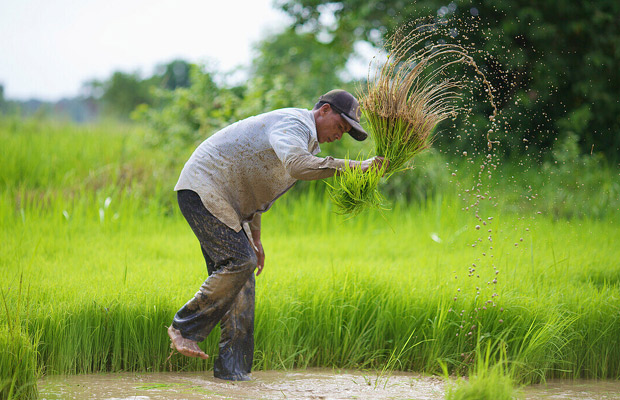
column 289, row 139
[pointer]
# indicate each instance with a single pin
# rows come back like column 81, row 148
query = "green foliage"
column 569, row 185
column 487, row 384
column 310, row 67
column 42, row 159
column 123, row 92
column 188, row 115
column 174, row 74
column 19, row 368
column 353, row 318
column 578, row 181
column 19, row 364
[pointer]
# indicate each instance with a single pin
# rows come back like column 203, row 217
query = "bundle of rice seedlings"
column 410, row 93
column 354, row 190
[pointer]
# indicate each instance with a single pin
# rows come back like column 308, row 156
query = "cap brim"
column 357, row 132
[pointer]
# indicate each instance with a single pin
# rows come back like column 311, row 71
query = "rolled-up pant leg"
column 231, row 261
column 237, row 340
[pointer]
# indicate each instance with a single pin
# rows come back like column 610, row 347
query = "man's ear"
column 325, row 109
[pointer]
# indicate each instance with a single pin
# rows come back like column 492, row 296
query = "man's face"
column 330, row 126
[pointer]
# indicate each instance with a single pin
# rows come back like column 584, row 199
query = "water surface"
column 304, row 384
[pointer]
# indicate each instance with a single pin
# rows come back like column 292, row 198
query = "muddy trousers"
column 227, row 296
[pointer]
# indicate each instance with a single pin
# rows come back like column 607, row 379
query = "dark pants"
column 227, row 296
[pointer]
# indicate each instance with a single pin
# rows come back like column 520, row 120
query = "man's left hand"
column 260, row 252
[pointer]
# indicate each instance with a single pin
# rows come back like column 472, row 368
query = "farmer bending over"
column 229, row 181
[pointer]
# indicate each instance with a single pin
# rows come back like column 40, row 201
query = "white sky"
column 48, row 48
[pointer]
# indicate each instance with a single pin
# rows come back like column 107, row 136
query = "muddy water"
column 579, row 390
column 307, row 384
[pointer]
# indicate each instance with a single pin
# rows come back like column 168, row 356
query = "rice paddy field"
column 96, row 259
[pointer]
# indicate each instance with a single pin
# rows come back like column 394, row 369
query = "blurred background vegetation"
column 553, row 66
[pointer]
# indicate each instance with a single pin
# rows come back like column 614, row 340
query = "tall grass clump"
column 19, row 368
column 487, row 384
column 489, row 378
column 411, row 91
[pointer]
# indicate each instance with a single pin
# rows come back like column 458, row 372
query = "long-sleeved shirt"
column 242, row 169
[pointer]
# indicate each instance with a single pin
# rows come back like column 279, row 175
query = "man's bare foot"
column 184, row 346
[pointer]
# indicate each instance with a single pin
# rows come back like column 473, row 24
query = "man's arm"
column 309, row 167
column 289, row 140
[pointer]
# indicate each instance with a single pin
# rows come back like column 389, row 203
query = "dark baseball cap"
column 347, row 105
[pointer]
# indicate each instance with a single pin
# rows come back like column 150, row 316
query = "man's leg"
column 233, row 260
column 237, row 341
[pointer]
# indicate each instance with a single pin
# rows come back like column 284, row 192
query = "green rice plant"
column 489, row 379
column 354, row 190
column 487, row 384
column 19, row 364
column 19, row 369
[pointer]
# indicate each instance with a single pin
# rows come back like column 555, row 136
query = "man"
column 229, row 181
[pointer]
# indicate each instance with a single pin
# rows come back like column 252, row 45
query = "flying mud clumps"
column 418, row 84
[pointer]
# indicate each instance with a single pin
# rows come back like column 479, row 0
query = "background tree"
column 553, row 63
column 174, row 74
column 309, row 67
column 183, row 117
column 123, row 92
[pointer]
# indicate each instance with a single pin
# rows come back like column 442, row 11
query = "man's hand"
column 260, row 253
column 375, row 163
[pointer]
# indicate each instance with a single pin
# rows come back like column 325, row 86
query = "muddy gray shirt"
column 242, row 169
